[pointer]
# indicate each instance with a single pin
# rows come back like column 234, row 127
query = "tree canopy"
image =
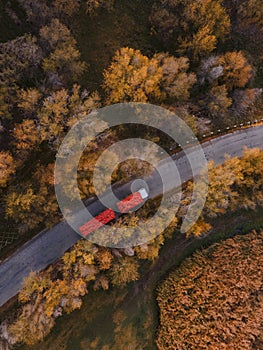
column 180, row 24
column 135, row 77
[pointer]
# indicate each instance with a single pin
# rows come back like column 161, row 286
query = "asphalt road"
column 49, row 245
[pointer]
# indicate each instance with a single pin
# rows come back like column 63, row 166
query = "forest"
column 60, row 60
column 41, row 94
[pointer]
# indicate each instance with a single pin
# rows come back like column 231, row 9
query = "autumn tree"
column 56, row 34
column 210, row 70
column 251, row 11
column 38, row 12
column 32, row 325
column 44, row 297
column 217, row 101
column 237, row 70
column 231, row 187
column 104, row 258
column 61, row 109
column 64, row 57
column 19, row 207
column 246, row 103
column 135, row 77
column 46, row 206
column 101, row 282
column 132, row 77
column 34, row 202
column 249, row 185
column 60, row 288
column 188, row 32
column 34, row 283
column 123, row 271
column 26, row 135
column 29, row 100
column 19, row 59
column 53, row 115
column 231, row 69
column 65, row 61
column 7, row 167
column 175, row 82
column 150, row 250
column 221, row 78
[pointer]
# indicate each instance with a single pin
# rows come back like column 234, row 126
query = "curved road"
column 49, row 245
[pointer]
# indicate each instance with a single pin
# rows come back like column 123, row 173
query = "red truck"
column 108, row 215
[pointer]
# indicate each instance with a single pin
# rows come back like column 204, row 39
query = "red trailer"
column 132, row 201
column 95, row 223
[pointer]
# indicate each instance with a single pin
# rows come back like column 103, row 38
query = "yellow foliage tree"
column 64, row 57
column 188, row 32
column 123, row 271
column 27, row 135
column 237, row 70
column 7, row 167
column 29, row 99
column 175, row 82
column 132, row 77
